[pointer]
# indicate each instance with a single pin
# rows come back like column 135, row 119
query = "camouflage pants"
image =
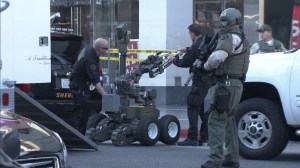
column 222, row 126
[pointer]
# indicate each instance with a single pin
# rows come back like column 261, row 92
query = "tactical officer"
column 267, row 43
column 200, row 86
column 229, row 63
column 86, row 72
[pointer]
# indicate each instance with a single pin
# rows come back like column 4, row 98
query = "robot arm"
column 154, row 65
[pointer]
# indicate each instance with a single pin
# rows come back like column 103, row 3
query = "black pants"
column 195, row 108
column 86, row 104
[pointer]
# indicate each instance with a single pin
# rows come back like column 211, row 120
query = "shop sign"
column 295, row 33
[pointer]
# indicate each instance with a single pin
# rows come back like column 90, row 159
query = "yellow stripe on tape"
column 134, row 51
column 111, row 58
column 114, row 50
column 117, row 59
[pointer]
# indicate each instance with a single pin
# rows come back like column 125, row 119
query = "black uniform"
column 195, row 99
column 84, row 73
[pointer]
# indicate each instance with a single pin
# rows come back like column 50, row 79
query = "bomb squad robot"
column 124, row 123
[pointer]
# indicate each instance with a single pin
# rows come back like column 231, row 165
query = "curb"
column 183, row 133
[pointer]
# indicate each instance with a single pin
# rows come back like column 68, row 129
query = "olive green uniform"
column 230, row 63
column 222, row 126
column 267, row 46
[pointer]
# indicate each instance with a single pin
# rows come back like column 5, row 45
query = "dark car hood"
column 34, row 137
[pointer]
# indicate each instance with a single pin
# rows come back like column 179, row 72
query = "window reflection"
column 206, row 12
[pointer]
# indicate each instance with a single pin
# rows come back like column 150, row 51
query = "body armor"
column 264, row 47
column 236, row 64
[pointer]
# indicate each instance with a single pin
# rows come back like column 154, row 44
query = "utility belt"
column 222, row 92
column 224, row 78
column 227, row 77
column 78, row 85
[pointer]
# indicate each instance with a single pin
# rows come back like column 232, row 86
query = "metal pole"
column 80, row 21
column 92, row 21
column 223, row 7
column 108, row 62
column 122, row 66
column 77, row 21
column 261, row 14
column 72, row 19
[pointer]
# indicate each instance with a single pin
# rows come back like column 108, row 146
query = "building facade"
column 162, row 25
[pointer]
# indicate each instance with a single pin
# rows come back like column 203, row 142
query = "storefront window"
column 278, row 14
column 97, row 18
column 71, row 16
column 251, row 20
column 207, row 12
column 108, row 14
column 127, row 11
column 103, row 20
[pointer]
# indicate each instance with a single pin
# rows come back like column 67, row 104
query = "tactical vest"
column 264, row 47
column 236, row 64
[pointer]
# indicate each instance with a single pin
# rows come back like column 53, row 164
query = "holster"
column 222, row 98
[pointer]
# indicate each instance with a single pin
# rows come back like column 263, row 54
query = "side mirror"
column 10, row 142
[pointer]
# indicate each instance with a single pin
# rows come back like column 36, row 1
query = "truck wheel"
column 262, row 130
column 148, row 131
column 170, row 129
column 94, row 119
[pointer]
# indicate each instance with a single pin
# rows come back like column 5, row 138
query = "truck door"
column 295, row 88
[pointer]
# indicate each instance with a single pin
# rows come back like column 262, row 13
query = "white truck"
column 24, row 46
column 269, row 113
column 25, row 58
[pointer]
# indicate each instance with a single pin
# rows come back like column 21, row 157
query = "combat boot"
column 211, row 164
column 188, row 142
column 229, row 164
column 203, row 142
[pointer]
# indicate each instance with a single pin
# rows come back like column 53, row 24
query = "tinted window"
column 67, row 45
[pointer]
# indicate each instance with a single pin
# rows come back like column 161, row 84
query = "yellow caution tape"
column 111, row 58
column 114, row 50
column 133, row 51
column 117, row 59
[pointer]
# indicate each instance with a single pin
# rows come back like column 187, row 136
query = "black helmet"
column 230, row 17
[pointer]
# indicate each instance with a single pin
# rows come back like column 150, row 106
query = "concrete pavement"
column 161, row 155
column 164, row 156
